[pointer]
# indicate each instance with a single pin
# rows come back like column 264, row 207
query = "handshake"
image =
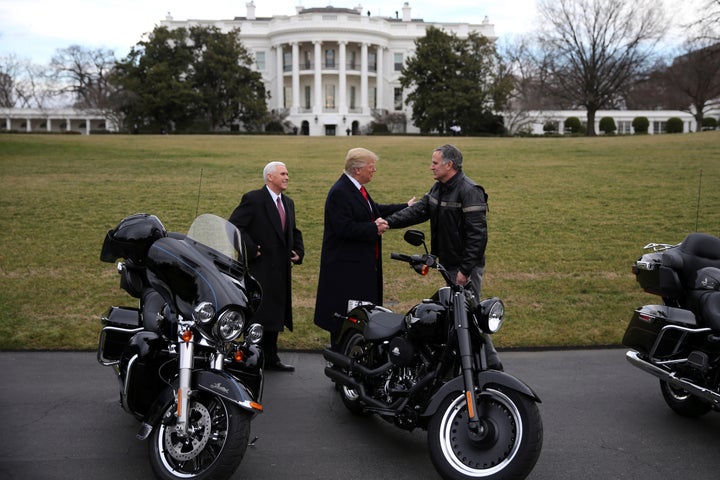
column 382, row 225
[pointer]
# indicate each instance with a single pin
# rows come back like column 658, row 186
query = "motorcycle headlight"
column 230, row 325
column 490, row 314
column 255, row 333
column 204, row 312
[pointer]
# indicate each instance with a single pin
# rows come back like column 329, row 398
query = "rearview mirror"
column 414, row 237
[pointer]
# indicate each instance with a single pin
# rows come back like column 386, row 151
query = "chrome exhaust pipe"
column 675, row 382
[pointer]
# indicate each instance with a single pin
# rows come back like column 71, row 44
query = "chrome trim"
column 126, row 386
column 682, row 338
column 672, row 380
column 101, row 348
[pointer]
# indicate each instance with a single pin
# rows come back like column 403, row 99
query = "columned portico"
column 332, row 66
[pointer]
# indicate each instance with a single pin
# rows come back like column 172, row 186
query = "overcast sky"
column 34, row 29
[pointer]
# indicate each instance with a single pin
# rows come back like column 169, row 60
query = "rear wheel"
column 214, row 446
column 507, row 448
column 682, row 402
column 353, row 347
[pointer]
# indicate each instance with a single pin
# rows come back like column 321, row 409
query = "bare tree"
column 527, row 66
column 23, row 84
column 693, row 79
column 596, row 47
column 8, row 75
column 707, row 23
column 84, row 74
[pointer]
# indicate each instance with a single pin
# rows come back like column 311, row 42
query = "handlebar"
column 401, row 256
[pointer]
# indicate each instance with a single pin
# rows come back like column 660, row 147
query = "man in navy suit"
column 266, row 219
column 351, row 257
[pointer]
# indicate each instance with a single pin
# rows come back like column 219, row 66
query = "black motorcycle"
column 432, row 369
column 679, row 340
column 187, row 358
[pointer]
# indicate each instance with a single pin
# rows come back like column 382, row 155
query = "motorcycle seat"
column 383, row 325
column 706, row 305
column 697, row 250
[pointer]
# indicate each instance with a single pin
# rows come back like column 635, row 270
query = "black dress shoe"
column 279, row 366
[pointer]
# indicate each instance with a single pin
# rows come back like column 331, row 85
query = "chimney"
column 250, row 10
column 358, row 9
column 406, row 12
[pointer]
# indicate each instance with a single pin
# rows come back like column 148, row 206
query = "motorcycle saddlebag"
column 119, row 325
column 647, row 324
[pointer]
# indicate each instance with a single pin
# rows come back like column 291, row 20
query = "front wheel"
column 217, row 438
column 507, row 448
column 682, row 403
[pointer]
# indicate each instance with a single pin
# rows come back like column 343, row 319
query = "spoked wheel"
column 507, row 447
column 217, row 438
column 352, row 347
column 682, row 402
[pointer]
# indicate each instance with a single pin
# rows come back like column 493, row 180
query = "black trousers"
column 269, row 347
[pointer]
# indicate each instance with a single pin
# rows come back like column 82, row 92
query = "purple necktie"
column 281, row 211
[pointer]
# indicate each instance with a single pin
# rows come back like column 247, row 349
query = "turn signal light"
column 186, row 336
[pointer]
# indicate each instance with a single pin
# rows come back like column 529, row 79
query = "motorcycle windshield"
column 217, row 233
column 186, row 272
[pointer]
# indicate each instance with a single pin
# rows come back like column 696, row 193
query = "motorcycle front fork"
column 185, row 364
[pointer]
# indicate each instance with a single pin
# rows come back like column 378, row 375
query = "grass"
column 568, row 216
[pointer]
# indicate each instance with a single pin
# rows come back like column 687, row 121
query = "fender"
column 485, row 379
column 217, row 382
column 224, row 385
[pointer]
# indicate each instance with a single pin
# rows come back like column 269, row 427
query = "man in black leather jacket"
column 455, row 206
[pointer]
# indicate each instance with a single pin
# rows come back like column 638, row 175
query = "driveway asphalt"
column 603, row 419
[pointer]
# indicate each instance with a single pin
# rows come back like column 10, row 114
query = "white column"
column 379, row 79
column 87, row 126
column 317, row 101
column 295, row 77
column 280, row 75
column 364, row 79
column 28, row 126
column 8, row 123
column 48, row 125
column 342, row 105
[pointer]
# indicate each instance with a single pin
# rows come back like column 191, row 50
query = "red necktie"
column 281, row 211
column 367, row 199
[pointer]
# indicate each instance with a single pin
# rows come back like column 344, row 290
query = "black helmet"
column 132, row 238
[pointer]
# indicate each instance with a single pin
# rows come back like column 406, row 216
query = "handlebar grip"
column 400, row 256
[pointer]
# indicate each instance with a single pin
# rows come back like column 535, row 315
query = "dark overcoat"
column 258, row 219
column 351, row 256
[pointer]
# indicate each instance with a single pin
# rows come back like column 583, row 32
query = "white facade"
column 330, row 68
column 54, row 120
column 533, row 121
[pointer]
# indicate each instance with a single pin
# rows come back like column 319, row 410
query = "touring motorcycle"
column 431, row 368
column 678, row 341
column 187, row 357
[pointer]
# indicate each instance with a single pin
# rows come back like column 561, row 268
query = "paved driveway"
column 603, row 419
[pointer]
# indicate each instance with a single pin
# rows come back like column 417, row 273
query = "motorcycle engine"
column 401, row 352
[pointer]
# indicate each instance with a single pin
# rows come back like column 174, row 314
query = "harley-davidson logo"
column 219, row 386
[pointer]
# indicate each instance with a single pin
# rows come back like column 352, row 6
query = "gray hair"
column 450, row 153
column 270, row 168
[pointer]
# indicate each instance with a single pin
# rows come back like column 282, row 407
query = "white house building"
column 330, row 68
column 54, row 120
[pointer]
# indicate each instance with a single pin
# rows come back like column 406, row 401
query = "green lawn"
column 568, row 216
